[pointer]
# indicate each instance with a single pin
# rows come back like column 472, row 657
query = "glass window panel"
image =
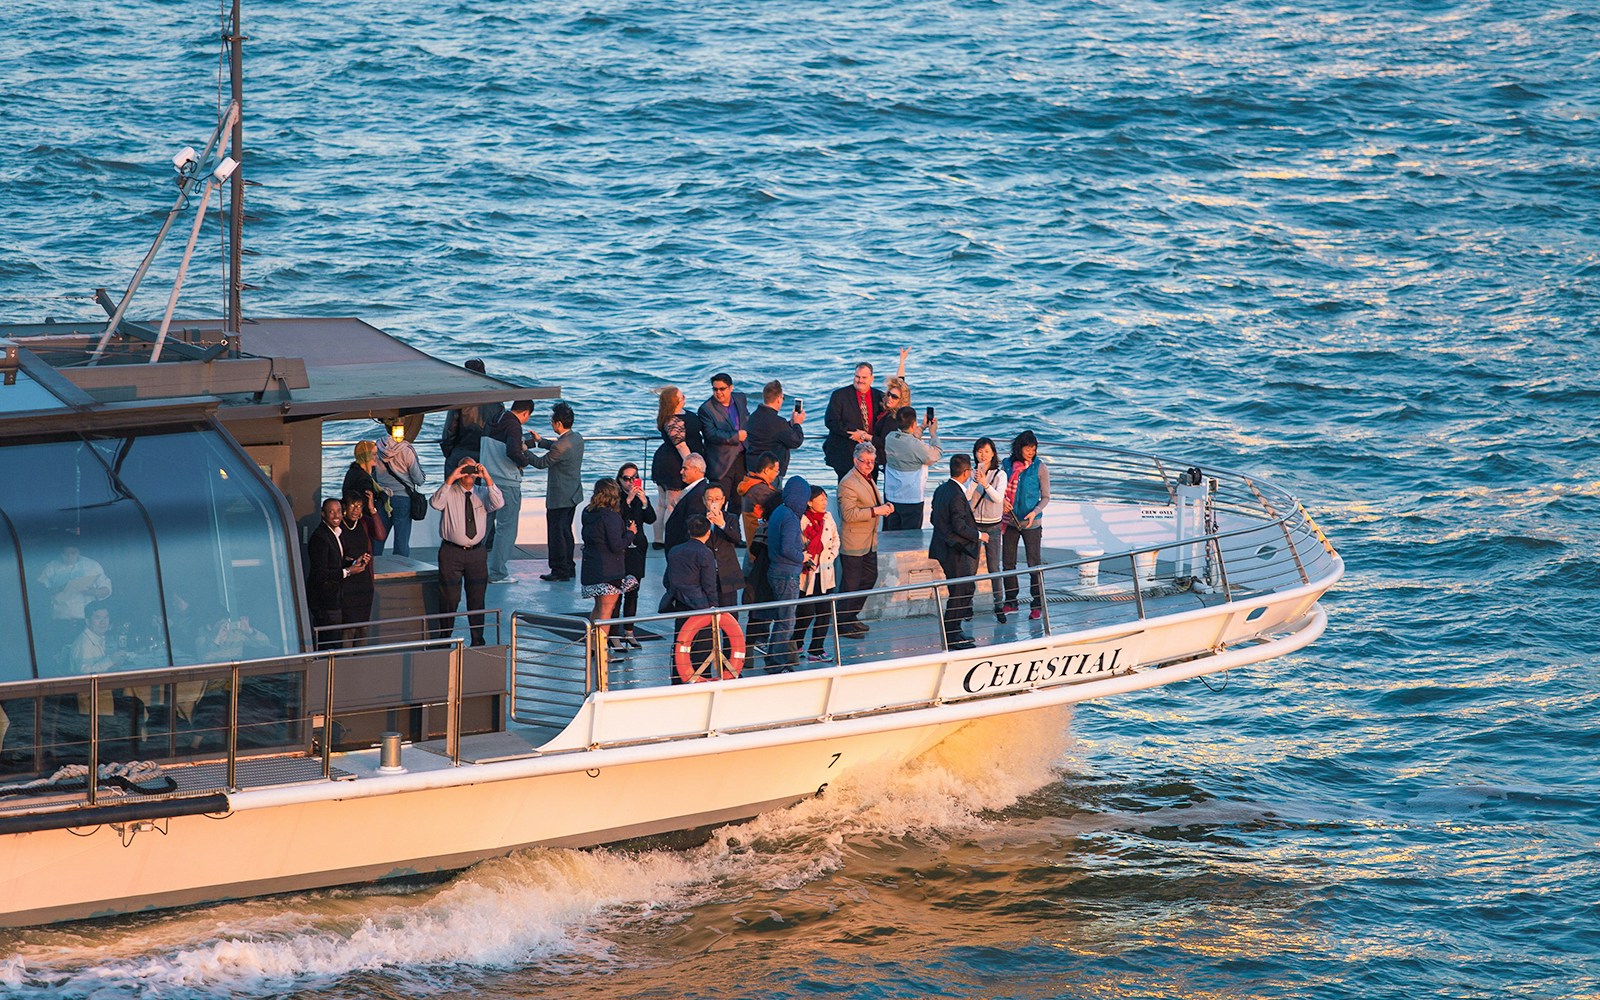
column 84, row 544
column 16, row 660
column 228, row 587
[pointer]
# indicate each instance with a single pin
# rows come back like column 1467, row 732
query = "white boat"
column 218, row 758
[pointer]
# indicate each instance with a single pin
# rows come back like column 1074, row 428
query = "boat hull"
column 439, row 818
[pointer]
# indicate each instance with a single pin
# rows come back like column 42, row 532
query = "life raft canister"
column 683, row 656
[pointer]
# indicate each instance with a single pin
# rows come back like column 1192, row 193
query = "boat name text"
column 987, row 674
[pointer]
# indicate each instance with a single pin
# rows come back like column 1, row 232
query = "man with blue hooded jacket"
column 786, row 554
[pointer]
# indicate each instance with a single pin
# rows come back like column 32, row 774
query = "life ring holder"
column 683, row 655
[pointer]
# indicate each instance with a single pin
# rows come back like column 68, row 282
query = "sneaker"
column 1009, row 609
column 818, row 657
column 502, row 579
column 1035, row 614
column 1000, row 616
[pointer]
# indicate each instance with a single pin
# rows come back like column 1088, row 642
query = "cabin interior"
column 170, row 497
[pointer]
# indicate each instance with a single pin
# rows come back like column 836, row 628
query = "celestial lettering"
column 987, row 674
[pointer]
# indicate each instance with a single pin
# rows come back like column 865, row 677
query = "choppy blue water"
column 1348, row 245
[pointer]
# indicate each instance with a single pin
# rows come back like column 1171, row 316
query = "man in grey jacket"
column 563, row 490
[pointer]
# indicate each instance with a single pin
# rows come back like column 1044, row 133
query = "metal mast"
column 234, row 319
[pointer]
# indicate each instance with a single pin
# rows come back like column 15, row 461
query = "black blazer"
column 691, row 578
column 723, row 446
column 641, row 513
column 774, row 432
column 693, row 501
column 955, row 533
column 325, row 564
column 844, row 416
column 605, row 544
column 722, row 542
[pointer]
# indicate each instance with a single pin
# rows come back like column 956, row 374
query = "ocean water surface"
column 1346, row 245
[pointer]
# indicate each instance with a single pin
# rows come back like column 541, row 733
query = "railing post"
column 716, row 643
column 233, row 728
column 327, row 722
column 92, row 785
column 1138, row 590
column 938, row 614
column 1222, row 569
column 452, row 712
column 833, row 624
column 1044, row 603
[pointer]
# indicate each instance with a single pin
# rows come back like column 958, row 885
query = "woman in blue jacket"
column 1027, row 495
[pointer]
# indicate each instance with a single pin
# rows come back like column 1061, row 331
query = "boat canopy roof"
column 294, row 369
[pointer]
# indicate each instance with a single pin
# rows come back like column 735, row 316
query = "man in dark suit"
column 691, row 585
column 722, row 542
column 326, row 568
column 691, row 501
column 771, row 432
column 955, row 546
column 725, row 424
column 852, row 410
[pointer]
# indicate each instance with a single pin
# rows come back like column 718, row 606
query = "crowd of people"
column 735, row 527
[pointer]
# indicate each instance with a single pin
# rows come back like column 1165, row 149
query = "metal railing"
column 437, row 625
column 186, row 718
column 559, row 659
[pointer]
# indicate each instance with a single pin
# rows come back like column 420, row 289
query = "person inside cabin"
column 563, row 459
column 464, row 505
column 464, row 427
column 95, row 651
column 73, row 581
column 355, row 597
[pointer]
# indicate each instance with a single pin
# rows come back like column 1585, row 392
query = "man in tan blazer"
column 860, row 506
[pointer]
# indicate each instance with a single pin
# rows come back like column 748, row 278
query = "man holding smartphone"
column 464, row 508
column 771, row 432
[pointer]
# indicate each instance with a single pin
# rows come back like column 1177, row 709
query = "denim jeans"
column 781, row 652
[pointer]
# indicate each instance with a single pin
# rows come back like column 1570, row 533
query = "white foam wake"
column 540, row 906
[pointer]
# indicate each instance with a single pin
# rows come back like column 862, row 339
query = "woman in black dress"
column 355, row 598
column 636, row 513
column 680, row 435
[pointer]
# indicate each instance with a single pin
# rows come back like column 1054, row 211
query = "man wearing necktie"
column 465, row 510
column 725, row 419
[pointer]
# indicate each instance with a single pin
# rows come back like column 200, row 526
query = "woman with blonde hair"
column 680, row 436
column 606, row 537
column 360, row 482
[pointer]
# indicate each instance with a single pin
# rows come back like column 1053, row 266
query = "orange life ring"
column 683, row 656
